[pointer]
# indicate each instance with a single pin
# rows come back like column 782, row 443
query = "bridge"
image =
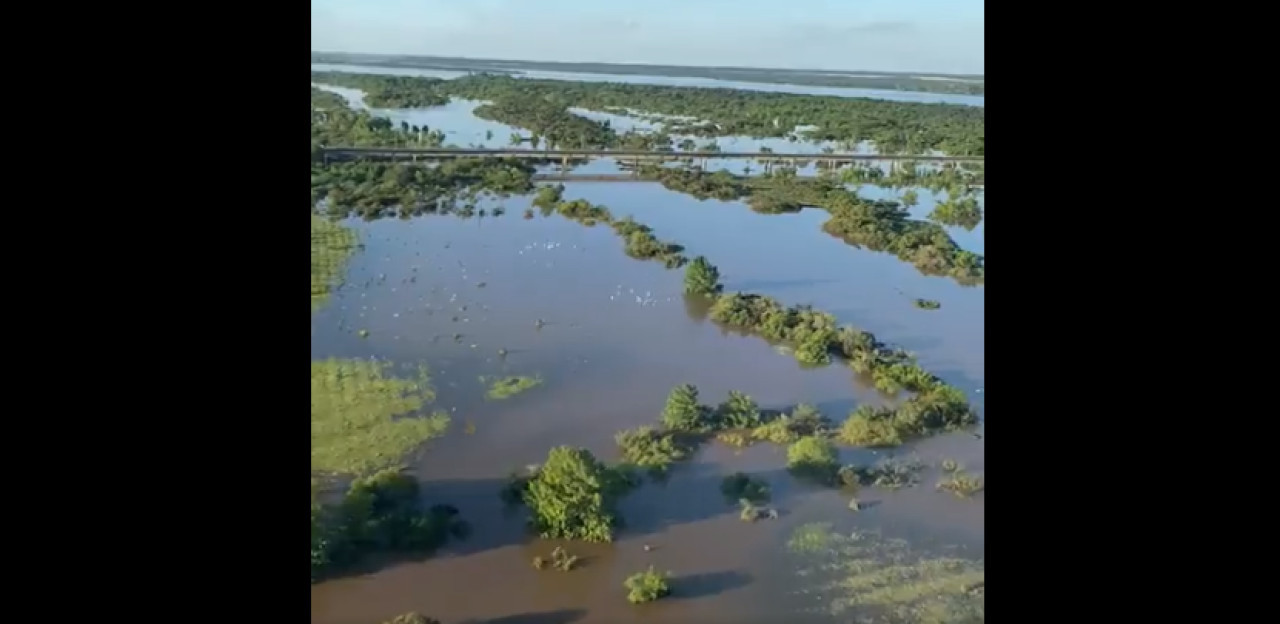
column 629, row 177
column 444, row 153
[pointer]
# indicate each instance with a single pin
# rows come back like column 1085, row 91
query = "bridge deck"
column 434, row 153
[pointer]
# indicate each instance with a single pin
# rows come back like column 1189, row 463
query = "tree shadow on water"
column 694, row 586
column 691, row 494
column 491, row 523
column 563, row 616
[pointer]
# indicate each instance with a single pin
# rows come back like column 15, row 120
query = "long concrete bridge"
column 407, row 153
column 631, row 177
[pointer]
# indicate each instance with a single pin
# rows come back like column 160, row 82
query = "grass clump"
column 961, row 483
column 741, row 486
column 885, row 581
column 647, row 447
column 331, row 247
column 507, row 387
column 574, row 496
column 813, row 458
column 560, row 560
column 362, row 419
column 647, row 586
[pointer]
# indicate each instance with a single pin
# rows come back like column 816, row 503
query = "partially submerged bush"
column 560, row 560
column 813, row 458
column 871, row 427
column 507, row 387
column 734, row 438
column 941, row 408
column 573, row 496
column 804, row 420
column 750, row 512
column 701, row 278
column 739, row 411
column 888, row 473
column 412, row 617
column 961, row 484
column 647, row 586
column 682, row 411
column 650, row 448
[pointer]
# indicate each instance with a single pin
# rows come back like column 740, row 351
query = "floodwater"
column 616, row 336
column 463, row 129
column 672, row 81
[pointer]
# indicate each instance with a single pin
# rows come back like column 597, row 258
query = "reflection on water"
column 879, row 94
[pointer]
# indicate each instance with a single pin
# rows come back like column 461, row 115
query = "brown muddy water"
column 617, row 336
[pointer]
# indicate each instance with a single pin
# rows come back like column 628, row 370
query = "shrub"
column 701, row 278
column 573, row 495
column 813, row 458
column 870, row 426
column 647, row 447
column 682, row 411
column 647, row 586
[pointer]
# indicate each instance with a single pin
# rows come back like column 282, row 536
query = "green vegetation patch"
column 331, row 247
column 647, row 447
column 572, row 496
column 363, row 419
column 647, row 586
column 866, row 578
column 507, row 387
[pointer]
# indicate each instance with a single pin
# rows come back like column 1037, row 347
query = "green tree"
column 702, row 278
column 739, row 411
column 573, row 496
column 910, row 198
column 682, row 411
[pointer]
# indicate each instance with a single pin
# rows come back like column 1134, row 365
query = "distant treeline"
column 542, row 106
column 894, row 81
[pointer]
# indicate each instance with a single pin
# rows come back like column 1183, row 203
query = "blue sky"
column 887, row 35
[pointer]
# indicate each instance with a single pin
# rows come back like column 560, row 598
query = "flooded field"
column 608, row 337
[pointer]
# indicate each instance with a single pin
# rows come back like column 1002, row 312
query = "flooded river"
column 610, row 336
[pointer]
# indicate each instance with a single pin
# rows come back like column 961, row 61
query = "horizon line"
column 912, row 74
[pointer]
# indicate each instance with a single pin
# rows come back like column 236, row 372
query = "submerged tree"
column 702, row 278
column 572, row 496
column 682, row 412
